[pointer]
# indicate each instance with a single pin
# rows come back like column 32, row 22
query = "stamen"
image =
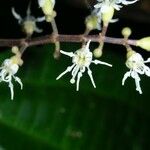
column 11, row 90
column 78, row 80
column 101, row 62
column 19, row 81
column 147, row 61
column 74, row 73
column 126, row 75
column 67, row 70
column 70, row 54
column 125, row 2
column 91, row 77
column 16, row 15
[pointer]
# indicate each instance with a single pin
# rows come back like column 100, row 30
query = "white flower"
column 7, row 73
column 81, row 60
column 103, row 5
column 43, row 2
column 29, row 22
column 47, row 7
column 137, row 66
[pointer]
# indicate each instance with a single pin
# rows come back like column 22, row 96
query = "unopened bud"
column 130, row 53
column 144, row 43
column 17, row 60
column 97, row 53
column 126, row 32
column 29, row 27
column 92, row 22
column 15, row 49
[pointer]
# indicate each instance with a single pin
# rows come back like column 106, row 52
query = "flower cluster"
column 103, row 5
column 104, row 11
column 8, row 70
column 81, row 59
column 137, row 66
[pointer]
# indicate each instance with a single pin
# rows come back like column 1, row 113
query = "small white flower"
column 47, row 7
column 7, row 73
column 29, row 22
column 137, row 66
column 81, row 60
column 103, row 5
column 43, row 2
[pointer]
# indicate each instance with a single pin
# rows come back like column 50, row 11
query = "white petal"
column 117, row 7
column 140, row 69
column 126, row 75
column 11, row 90
column 101, row 62
column 41, row 2
column 125, row 2
column 147, row 61
column 40, row 19
column 87, row 45
column 137, row 81
column 138, row 87
column 113, row 20
column 29, row 9
column 78, row 80
column 16, row 15
column 14, row 68
column 70, row 54
column 75, row 70
column 97, row 6
column 135, row 75
column 5, row 77
column 67, row 70
column 19, row 81
column 7, row 62
column 53, row 2
column 91, row 77
column 74, row 73
column 38, row 30
column 147, row 70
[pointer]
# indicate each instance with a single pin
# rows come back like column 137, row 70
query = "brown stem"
column 57, row 43
column 62, row 38
column 102, row 36
column 104, row 30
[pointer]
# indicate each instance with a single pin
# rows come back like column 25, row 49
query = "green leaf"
column 50, row 114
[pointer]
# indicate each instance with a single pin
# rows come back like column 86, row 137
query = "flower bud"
column 97, row 52
column 92, row 22
column 15, row 49
column 130, row 53
column 126, row 32
column 29, row 27
column 144, row 43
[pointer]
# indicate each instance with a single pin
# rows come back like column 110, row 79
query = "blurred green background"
column 49, row 114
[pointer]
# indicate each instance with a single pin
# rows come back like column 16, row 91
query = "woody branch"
column 63, row 38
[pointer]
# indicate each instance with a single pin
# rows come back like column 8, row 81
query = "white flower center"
column 135, row 61
column 82, row 58
column 10, row 67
